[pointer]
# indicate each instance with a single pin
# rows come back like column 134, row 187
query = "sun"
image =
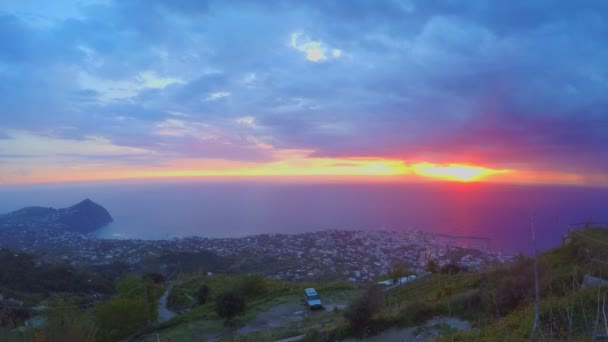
column 455, row 172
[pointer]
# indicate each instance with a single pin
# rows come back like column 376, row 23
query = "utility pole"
column 536, row 286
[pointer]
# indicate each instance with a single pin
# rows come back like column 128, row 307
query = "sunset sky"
column 504, row 91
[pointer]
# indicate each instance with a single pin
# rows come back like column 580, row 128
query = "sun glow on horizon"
column 455, row 172
column 293, row 165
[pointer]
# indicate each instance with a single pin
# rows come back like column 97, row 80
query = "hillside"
column 32, row 278
column 493, row 304
column 83, row 217
column 451, row 303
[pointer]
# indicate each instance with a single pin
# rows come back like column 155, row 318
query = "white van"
column 312, row 299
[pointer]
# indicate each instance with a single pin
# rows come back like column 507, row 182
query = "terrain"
column 58, row 285
column 84, row 217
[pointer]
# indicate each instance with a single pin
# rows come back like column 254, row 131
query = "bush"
column 67, row 322
column 399, row 270
column 230, row 305
column 417, row 312
column 134, row 306
column 120, row 317
column 452, row 268
column 360, row 312
column 432, row 266
column 13, row 316
column 253, row 285
column 203, row 294
column 155, row 278
column 506, row 289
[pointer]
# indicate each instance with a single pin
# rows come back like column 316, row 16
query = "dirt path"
column 282, row 314
column 164, row 313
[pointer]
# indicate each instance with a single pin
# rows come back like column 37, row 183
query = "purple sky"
column 504, row 84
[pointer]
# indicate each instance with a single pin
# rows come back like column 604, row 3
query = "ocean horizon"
column 160, row 210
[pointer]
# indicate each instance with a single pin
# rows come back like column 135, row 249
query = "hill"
column 83, row 217
column 495, row 304
column 28, row 275
column 451, row 303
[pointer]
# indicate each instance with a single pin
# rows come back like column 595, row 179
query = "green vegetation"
column 260, row 294
column 133, row 307
column 399, row 270
column 34, row 275
column 203, row 294
column 498, row 302
column 229, row 305
column 360, row 312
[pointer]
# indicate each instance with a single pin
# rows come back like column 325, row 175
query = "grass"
column 434, row 288
column 202, row 320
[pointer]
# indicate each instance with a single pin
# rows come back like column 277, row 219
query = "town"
column 356, row 256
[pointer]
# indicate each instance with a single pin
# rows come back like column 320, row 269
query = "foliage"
column 185, row 294
column 229, row 305
column 120, row 317
column 452, row 268
column 30, row 273
column 203, row 294
column 506, row 289
column 156, row 278
column 253, row 285
column 399, row 270
column 133, row 306
column 66, row 321
column 432, row 266
column 12, row 316
column 360, row 312
column 187, row 262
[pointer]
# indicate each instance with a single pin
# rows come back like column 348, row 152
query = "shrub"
column 432, row 266
column 203, row 294
column 230, row 305
column 133, row 306
column 452, row 268
column 253, row 285
column 155, row 278
column 120, row 317
column 360, row 312
column 399, row 270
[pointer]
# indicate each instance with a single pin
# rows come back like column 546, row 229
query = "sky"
column 509, row 91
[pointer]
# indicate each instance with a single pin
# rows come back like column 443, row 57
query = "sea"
column 500, row 216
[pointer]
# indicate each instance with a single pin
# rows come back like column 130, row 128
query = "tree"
column 155, row 278
column 230, row 305
column 66, row 321
column 452, row 268
column 253, row 285
column 13, row 316
column 133, row 306
column 360, row 312
column 399, row 270
column 203, row 294
column 120, row 317
column 432, row 266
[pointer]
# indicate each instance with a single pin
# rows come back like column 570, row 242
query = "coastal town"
column 356, row 256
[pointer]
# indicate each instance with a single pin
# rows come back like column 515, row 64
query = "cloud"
column 217, row 95
column 29, row 144
column 414, row 80
column 315, row 51
column 149, row 79
column 246, row 121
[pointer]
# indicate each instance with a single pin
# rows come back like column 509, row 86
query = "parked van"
column 312, row 299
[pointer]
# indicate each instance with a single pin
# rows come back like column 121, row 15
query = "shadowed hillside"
column 83, row 217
